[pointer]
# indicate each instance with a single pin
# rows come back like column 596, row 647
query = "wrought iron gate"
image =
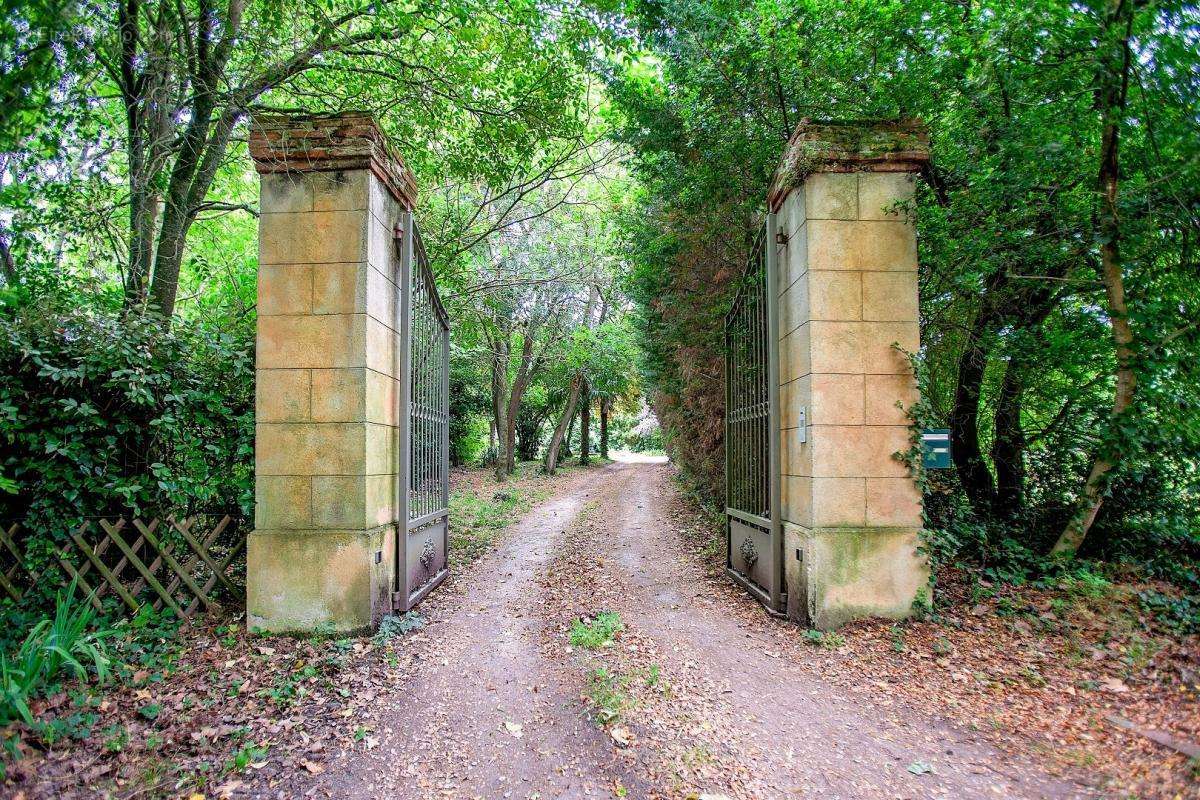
column 423, row 495
column 752, row 472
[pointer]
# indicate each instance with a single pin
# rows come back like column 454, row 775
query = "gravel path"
column 715, row 698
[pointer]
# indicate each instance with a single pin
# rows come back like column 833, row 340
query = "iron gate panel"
column 423, row 496
column 754, row 535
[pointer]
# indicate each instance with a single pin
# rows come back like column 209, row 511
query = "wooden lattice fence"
column 184, row 565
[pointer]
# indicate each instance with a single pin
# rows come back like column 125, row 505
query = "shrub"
column 105, row 413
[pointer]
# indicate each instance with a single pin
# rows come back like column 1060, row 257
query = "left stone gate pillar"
column 321, row 555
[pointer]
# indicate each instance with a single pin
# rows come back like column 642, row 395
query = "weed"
column 393, row 627
column 828, row 640
column 116, row 738
column 898, row 645
column 607, row 694
column 598, row 632
column 150, row 711
column 243, row 758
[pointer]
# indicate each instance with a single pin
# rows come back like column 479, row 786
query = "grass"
column 596, row 633
column 608, row 695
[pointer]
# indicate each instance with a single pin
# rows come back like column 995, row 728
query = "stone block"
column 793, row 258
column 381, row 499
column 315, row 342
column 795, row 457
column 879, row 194
column 286, row 191
column 318, row 448
column 345, row 190
column 285, row 289
column 382, row 399
column 381, row 247
column 381, row 450
column 794, row 356
column 831, row 195
column 879, row 446
column 282, row 501
column 793, row 307
column 837, row 399
column 382, row 343
column 838, row 501
column 893, row 502
column 793, row 569
column 304, row 580
column 838, row 451
column 854, row 573
column 339, row 395
column 888, row 398
column 861, row 245
column 836, row 346
column 313, row 237
column 282, row 395
column 889, row 296
column 835, row 295
column 340, row 501
column 880, row 353
column 790, row 216
column 795, row 503
column 340, row 288
column 382, row 298
column 793, row 396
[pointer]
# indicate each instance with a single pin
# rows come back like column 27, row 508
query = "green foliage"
column 827, row 640
column 592, row 634
column 394, row 626
column 104, row 414
column 63, row 645
column 608, row 694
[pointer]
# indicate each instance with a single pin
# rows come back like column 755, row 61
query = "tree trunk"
column 500, row 403
column 560, row 430
column 1008, row 448
column 605, row 405
column 1111, row 88
column 524, row 374
column 973, row 472
column 566, row 448
column 585, row 424
column 568, row 416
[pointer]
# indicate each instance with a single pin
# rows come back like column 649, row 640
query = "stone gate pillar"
column 322, row 551
column 847, row 263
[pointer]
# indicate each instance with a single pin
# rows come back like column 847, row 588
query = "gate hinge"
column 781, row 237
column 398, row 232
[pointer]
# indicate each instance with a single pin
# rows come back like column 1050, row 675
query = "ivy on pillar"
column 848, row 310
column 322, row 553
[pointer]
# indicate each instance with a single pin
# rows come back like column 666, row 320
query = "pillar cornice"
column 330, row 143
column 856, row 146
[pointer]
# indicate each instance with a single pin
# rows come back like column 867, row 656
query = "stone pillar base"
column 318, row 580
column 844, row 574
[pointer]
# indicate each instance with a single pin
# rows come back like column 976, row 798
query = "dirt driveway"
column 702, row 694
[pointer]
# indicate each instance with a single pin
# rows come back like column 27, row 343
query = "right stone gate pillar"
column 847, row 277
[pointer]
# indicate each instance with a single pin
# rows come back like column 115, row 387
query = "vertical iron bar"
column 404, row 401
column 773, row 427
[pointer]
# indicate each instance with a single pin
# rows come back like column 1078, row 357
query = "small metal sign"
column 935, row 447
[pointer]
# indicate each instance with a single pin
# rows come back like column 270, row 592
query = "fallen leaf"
column 920, row 768
column 515, row 728
column 313, row 767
